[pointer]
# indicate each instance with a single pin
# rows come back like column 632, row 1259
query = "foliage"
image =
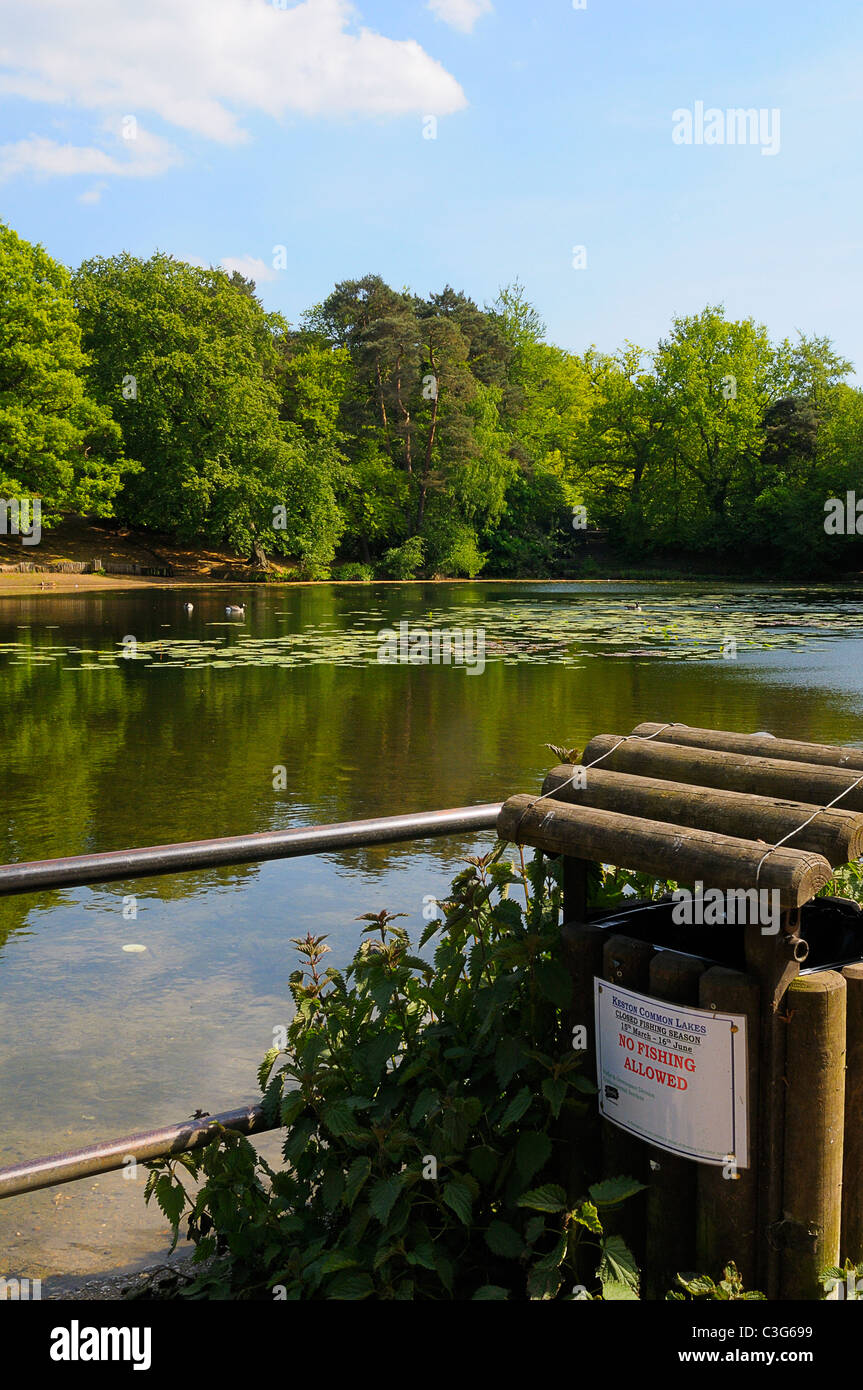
column 700, row 1288
column 187, row 360
column 608, row 885
column 846, row 1281
column 386, row 417
column 403, row 561
column 363, row 574
column 845, row 882
column 423, row 1106
column 56, row 442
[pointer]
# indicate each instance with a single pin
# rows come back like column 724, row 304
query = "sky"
column 584, row 149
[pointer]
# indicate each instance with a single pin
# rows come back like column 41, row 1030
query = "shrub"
column 353, row 570
column 424, row 1106
column 403, row 561
column 453, row 548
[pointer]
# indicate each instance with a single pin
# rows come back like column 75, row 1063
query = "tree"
column 189, row 360
column 715, row 378
column 56, row 442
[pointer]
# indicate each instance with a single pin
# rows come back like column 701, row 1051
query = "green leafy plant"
column 403, row 561
column 846, row 1282
column 608, row 886
column 423, row 1104
column 701, row 1288
column 847, row 882
column 354, row 571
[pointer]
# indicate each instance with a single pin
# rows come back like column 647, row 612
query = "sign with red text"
column 672, row 1075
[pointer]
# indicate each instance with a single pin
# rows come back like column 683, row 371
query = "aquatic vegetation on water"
column 669, row 627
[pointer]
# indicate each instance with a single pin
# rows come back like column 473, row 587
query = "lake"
column 126, row 722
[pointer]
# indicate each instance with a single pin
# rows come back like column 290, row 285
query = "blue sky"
column 258, row 126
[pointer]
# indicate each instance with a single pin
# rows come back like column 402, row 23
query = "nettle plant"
column 424, row 1104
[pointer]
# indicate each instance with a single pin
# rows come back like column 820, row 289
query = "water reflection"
column 182, row 742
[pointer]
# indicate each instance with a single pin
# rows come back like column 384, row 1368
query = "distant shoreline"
column 31, row 585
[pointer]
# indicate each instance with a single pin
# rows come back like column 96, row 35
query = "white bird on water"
column 236, row 608
column 189, row 607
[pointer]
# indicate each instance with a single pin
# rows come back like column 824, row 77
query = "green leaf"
column 339, row 1118
column 297, row 1140
column 510, row 1055
column 617, row 1265
column 483, row 1163
column 383, row 1196
column 293, row 1105
column 429, row 931
column 614, row 1190
column 543, row 1284
column 422, row 1255
column 555, row 1257
column 266, row 1067
column 532, row 1152
column 503, row 1239
column 271, row 1103
column 554, row 982
column 516, row 1108
column 444, row 1270
column 350, row 1287
column 338, row 1260
column 614, row 1292
column 426, row 1102
column 699, row 1285
column 354, row 1179
column 457, row 1195
column 550, row 1197
column 171, row 1199
column 332, row 1186
column 490, row 1292
column 587, row 1215
column 554, row 1090
column 371, row 1057
column 534, row 1229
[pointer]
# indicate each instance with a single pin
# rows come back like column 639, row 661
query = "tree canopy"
column 56, row 443
column 388, row 433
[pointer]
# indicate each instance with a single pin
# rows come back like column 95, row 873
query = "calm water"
column 99, row 751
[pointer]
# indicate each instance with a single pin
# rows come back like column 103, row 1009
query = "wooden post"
column 775, row 963
column 758, row 745
column 836, row 834
column 705, row 767
column 681, row 852
column 814, row 1122
column 626, row 962
column 728, row 1204
column 851, row 1245
column 671, row 1196
column 582, row 950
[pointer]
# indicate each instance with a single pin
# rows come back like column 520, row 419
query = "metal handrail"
column 81, row 869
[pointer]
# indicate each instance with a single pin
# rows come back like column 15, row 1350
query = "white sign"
column 672, row 1075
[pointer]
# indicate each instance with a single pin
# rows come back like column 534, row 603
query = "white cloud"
column 143, row 157
column 206, row 65
column 461, row 14
column 140, row 158
column 92, row 195
column 251, row 266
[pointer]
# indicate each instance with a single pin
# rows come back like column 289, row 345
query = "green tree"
column 189, row 360
column 714, row 377
column 56, row 443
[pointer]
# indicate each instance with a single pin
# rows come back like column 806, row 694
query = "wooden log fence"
column 733, row 812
